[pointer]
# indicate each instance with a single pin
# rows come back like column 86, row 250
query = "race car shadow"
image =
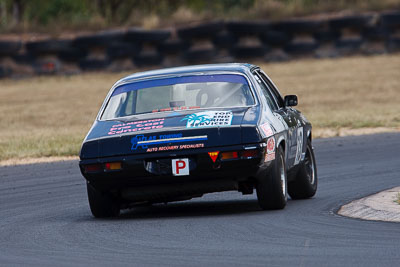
column 191, row 209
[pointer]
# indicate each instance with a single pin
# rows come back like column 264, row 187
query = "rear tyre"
column 272, row 189
column 102, row 204
column 306, row 181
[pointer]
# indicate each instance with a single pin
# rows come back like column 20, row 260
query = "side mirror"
column 291, row 100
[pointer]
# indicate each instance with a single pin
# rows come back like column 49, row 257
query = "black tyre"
column 306, row 180
column 100, row 39
column 297, row 26
column 91, row 64
column 254, row 51
column 326, row 36
column 244, row 28
column 276, row 38
column 349, row 44
column 48, row 46
column 10, row 48
column 200, row 55
column 102, row 204
column 207, row 30
column 299, row 48
column 353, row 22
column 173, row 46
column 146, row 59
column 123, row 50
column 391, row 19
column 225, row 40
column 5, row 71
column 393, row 44
column 272, row 189
column 140, row 35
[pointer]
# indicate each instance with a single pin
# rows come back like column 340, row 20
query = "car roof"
column 228, row 67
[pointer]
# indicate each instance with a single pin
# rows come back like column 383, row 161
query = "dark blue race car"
column 178, row 133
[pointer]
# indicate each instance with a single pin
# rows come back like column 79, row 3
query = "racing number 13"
column 180, row 167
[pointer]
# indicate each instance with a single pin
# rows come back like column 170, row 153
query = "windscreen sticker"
column 266, row 129
column 136, row 126
column 209, row 119
column 143, row 142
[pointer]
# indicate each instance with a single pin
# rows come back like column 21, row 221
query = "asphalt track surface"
column 45, row 219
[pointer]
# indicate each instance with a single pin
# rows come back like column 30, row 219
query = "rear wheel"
column 272, row 189
column 306, row 181
column 102, row 204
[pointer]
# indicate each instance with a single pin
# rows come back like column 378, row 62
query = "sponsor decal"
column 269, row 157
column 136, row 126
column 209, row 119
column 266, row 129
column 271, row 145
column 143, row 142
column 180, row 167
column 299, row 145
column 175, row 147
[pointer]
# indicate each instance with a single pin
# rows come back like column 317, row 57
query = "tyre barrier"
column 210, row 42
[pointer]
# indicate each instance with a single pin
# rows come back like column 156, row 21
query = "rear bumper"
column 137, row 182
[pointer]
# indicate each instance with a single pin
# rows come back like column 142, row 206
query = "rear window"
column 178, row 93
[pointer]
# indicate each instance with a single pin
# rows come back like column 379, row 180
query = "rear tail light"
column 250, row 153
column 92, row 168
column 112, row 166
column 229, row 155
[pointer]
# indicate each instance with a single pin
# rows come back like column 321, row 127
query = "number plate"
column 180, row 167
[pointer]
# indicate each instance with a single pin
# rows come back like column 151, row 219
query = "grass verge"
column 50, row 116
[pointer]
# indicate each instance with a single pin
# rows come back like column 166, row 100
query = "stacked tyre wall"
column 213, row 42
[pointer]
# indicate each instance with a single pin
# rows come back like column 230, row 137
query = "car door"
column 289, row 118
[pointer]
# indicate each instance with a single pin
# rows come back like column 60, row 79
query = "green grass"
column 50, row 116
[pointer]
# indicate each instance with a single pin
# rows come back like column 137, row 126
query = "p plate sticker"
column 209, row 119
column 180, row 167
column 266, row 129
column 271, row 145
